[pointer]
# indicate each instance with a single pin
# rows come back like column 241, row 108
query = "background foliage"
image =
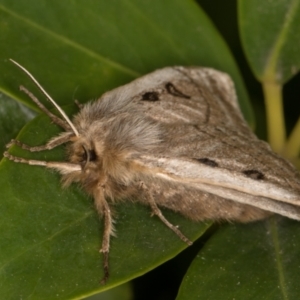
column 80, row 49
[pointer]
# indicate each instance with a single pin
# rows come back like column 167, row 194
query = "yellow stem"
column 275, row 115
column 292, row 147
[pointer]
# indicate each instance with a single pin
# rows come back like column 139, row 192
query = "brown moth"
column 174, row 138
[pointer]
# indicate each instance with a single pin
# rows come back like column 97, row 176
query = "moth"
column 174, row 139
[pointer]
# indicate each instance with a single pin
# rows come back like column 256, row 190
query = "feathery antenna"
column 48, row 97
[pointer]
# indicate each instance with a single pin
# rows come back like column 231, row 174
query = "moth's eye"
column 84, row 155
column 92, row 155
column 88, row 155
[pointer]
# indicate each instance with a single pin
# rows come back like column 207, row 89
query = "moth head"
column 82, row 152
column 100, row 139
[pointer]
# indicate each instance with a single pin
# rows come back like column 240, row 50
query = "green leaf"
column 270, row 33
column 123, row 292
column 252, row 261
column 13, row 116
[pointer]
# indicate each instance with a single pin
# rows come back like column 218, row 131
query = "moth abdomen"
column 198, row 205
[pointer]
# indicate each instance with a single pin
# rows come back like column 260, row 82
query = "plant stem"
column 275, row 115
column 292, row 147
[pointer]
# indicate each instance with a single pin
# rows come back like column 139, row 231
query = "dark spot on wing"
column 171, row 89
column 207, row 162
column 254, row 174
column 150, row 96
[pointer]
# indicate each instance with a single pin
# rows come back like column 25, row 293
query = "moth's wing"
column 179, row 95
column 207, row 143
column 191, row 96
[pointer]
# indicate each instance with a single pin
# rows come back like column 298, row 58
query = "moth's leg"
column 54, row 142
column 104, row 211
column 60, row 122
column 156, row 211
